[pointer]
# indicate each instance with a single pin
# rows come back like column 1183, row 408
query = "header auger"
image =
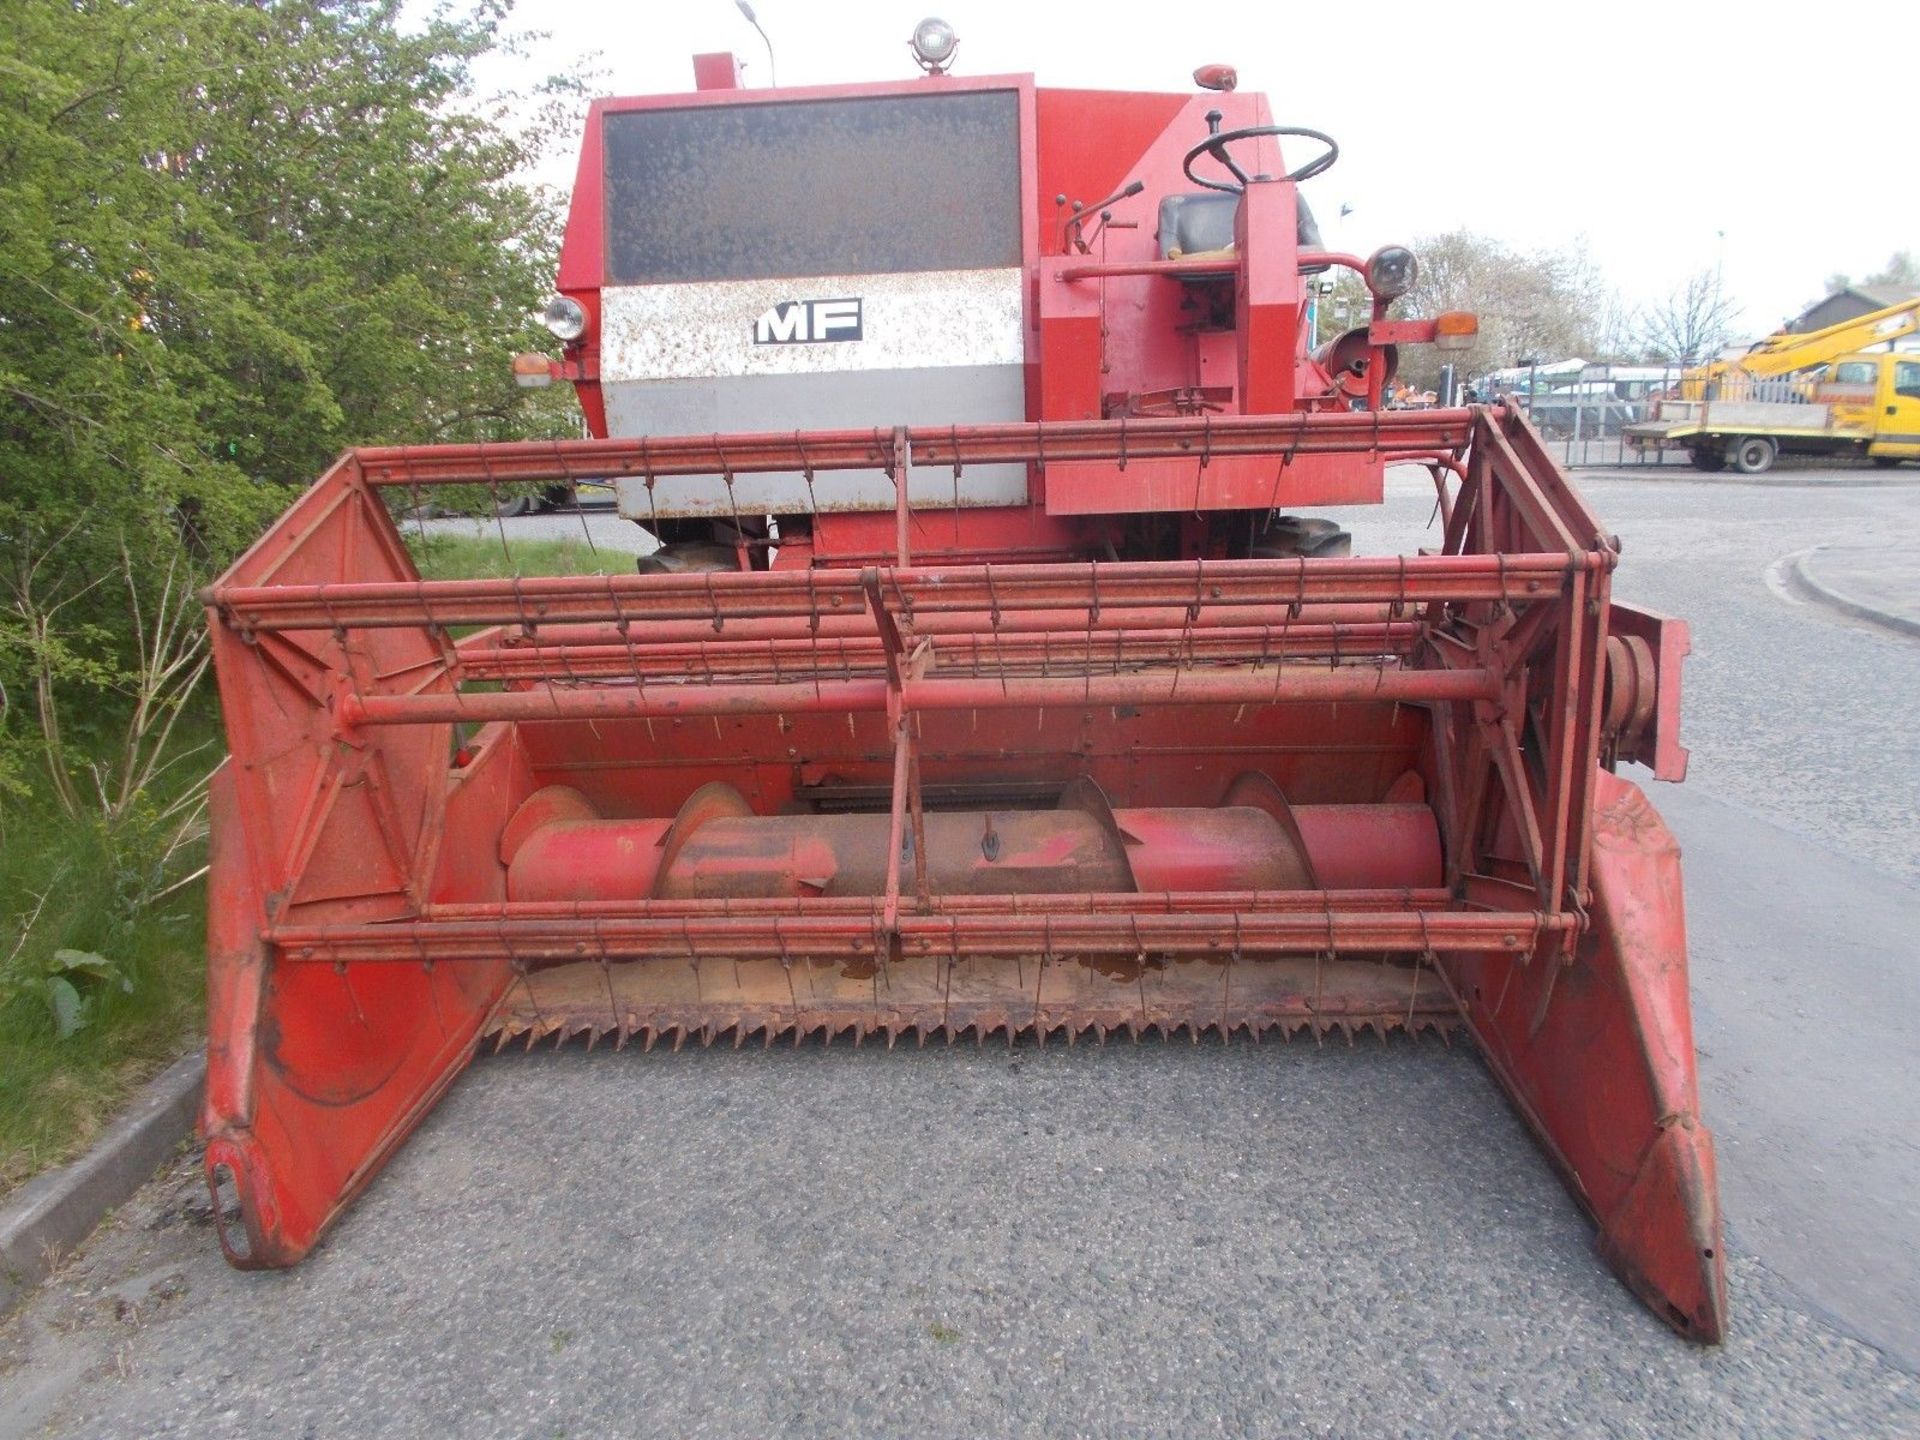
column 1027, row 708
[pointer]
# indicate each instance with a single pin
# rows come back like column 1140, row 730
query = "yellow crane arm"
column 1782, row 353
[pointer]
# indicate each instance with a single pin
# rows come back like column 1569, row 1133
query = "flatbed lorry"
column 1814, row 394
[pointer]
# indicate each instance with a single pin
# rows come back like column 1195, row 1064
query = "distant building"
column 1847, row 304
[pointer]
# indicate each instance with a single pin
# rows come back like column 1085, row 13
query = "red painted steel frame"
column 362, row 936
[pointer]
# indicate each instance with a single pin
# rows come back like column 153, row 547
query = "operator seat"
column 1199, row 226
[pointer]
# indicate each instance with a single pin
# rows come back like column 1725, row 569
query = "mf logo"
column 808, row 322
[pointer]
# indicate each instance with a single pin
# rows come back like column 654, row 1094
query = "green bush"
column 234, row 239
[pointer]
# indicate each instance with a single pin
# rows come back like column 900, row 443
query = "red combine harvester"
column 989, row 679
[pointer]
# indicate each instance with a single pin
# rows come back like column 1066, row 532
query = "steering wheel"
column 1217, row 142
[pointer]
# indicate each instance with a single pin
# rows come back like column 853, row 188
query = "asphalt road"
column 1179, row 1240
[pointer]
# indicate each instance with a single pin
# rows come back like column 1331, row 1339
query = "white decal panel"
column 839, row 324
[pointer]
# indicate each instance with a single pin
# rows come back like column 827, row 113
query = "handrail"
column 1225, row 264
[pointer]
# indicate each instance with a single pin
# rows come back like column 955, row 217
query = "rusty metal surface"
column 1198, row 439
column 968, row 652
column 762, row 1001
column 740, row 600
column 1263, row 686
column 1650, row 1187
column 556, row 848
column 1188, row 922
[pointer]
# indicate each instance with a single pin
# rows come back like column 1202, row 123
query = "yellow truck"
column 1821, row 393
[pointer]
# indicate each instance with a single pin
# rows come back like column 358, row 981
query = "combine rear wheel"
column 550, row 497
column 688, row 557
column 1301, row 536
column 1754, row 454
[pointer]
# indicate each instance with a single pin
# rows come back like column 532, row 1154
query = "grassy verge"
column 483, row 557
column 86, row 907
column 103, row 957
column 70, row 891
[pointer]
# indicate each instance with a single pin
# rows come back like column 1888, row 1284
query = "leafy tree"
column 1692, row 324
column 1902, row 272
column 1345, row 303
column 1548, row 304
column 235, row 238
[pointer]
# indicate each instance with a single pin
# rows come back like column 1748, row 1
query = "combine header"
column 990, row 680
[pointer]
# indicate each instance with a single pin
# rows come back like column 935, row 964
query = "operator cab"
column 1200, row 225
column 910, row 253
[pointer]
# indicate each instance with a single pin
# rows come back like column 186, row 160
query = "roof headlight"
column 933, row 44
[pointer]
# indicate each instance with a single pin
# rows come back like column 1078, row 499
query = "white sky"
column 1777, row 140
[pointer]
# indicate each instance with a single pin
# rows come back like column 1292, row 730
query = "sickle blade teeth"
column 980, row 999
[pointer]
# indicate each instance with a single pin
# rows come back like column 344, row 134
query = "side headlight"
column 1392, row 271
column 565, row 317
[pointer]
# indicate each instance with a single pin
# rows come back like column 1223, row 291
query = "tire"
column 688, row 557
column 1886, row 462
column 1753, row 454
column 1710, row 459
column 1296, row 537
column 516, row 506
